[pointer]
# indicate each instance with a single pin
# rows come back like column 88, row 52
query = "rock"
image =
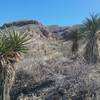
column 21, row 23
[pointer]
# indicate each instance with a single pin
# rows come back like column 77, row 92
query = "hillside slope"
column 49, row 71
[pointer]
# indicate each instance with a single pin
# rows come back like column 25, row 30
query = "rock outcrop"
column 21, row 23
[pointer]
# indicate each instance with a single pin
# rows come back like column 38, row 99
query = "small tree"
column 92, row 25
column 12, row 46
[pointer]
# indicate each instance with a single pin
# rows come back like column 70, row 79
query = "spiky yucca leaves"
column 13, row 44
column 76, row 35
column 92, row 24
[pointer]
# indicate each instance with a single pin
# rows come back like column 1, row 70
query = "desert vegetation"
column 49, row 71
column 92, row 25
column 76, row 36
column 12, row 45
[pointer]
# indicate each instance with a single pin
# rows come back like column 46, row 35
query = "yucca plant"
column 76, row 36
column 12, row 46
column 92, row 25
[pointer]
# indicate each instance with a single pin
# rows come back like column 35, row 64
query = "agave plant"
column 12, row 46
column 92, row 25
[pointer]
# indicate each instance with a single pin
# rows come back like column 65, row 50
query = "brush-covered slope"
column 49, row 71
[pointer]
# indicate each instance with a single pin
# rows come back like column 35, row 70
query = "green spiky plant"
column 12, row 46
column 92, row 25
column 76, row 36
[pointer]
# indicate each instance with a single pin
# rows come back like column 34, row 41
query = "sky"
column 48, row 12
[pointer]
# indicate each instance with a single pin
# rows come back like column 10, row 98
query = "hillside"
column 49, row 71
